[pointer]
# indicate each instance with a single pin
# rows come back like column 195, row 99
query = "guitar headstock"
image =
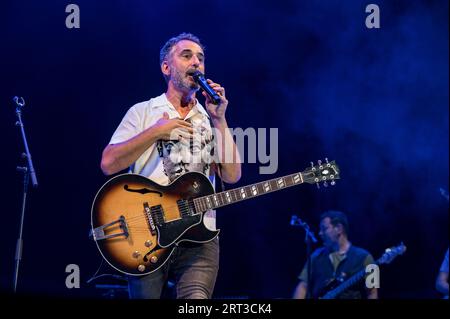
column 391, row 253
column 322, row 172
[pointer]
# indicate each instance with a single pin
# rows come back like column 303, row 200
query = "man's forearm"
column 372, row 293
column 117, row 157
column 228, row 153
column 300, row 291
column 442, row 283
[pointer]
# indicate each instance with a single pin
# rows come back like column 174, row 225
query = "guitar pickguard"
column 169, row 232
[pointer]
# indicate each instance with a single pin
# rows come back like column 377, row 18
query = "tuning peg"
column 319, row 162
column 326, row 160
column 312, row 166
column 333, row 183
column 325, row 184
column 318, row 186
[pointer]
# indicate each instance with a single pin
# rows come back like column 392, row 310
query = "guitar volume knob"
column 141, row 268
column 153, row 259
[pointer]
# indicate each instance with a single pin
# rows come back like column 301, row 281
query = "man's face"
column 328, row 232
column 185, row 56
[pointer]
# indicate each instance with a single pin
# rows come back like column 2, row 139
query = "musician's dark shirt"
column 327, row 266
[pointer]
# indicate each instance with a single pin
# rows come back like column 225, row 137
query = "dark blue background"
column 375, row 100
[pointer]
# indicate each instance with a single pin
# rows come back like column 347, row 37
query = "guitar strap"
column 222, row 185
column 219, row 166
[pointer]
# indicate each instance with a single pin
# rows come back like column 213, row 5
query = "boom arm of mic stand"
column 31, row 170
column 295, row 221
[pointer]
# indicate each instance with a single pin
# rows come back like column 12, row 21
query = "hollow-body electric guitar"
column 136, row 223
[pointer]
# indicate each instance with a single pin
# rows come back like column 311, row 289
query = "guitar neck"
column 347, row 284
column 224, row 198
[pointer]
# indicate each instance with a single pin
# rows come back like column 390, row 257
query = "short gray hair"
column 165, row 50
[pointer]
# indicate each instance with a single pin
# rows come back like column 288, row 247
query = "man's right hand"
column 117, row 157
column 173, row 129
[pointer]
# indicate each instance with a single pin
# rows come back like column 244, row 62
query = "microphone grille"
column 195, row 74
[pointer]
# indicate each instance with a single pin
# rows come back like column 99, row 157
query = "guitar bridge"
column 99, row 232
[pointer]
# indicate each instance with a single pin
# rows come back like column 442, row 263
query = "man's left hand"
column 216, row 111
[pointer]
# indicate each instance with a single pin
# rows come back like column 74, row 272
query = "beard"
column 183, row 82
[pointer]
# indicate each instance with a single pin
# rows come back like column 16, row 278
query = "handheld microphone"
column 200, row 79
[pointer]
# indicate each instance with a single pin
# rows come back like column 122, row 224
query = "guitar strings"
column 182, row 211
column 138, row 219
column 203, row 206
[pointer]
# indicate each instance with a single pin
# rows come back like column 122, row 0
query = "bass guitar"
column 337, row 286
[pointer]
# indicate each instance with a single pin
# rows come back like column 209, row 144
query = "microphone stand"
column 28, row 171
column 309, row 240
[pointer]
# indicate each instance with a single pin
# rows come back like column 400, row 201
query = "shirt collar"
column 162, row 101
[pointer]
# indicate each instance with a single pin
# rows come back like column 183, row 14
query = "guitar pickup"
column 98, row 233
column 186, row 207
column 151, row 222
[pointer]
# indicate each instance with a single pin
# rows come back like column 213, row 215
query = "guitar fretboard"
column 224, row 198
column 345, row 285
column 348, row 283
